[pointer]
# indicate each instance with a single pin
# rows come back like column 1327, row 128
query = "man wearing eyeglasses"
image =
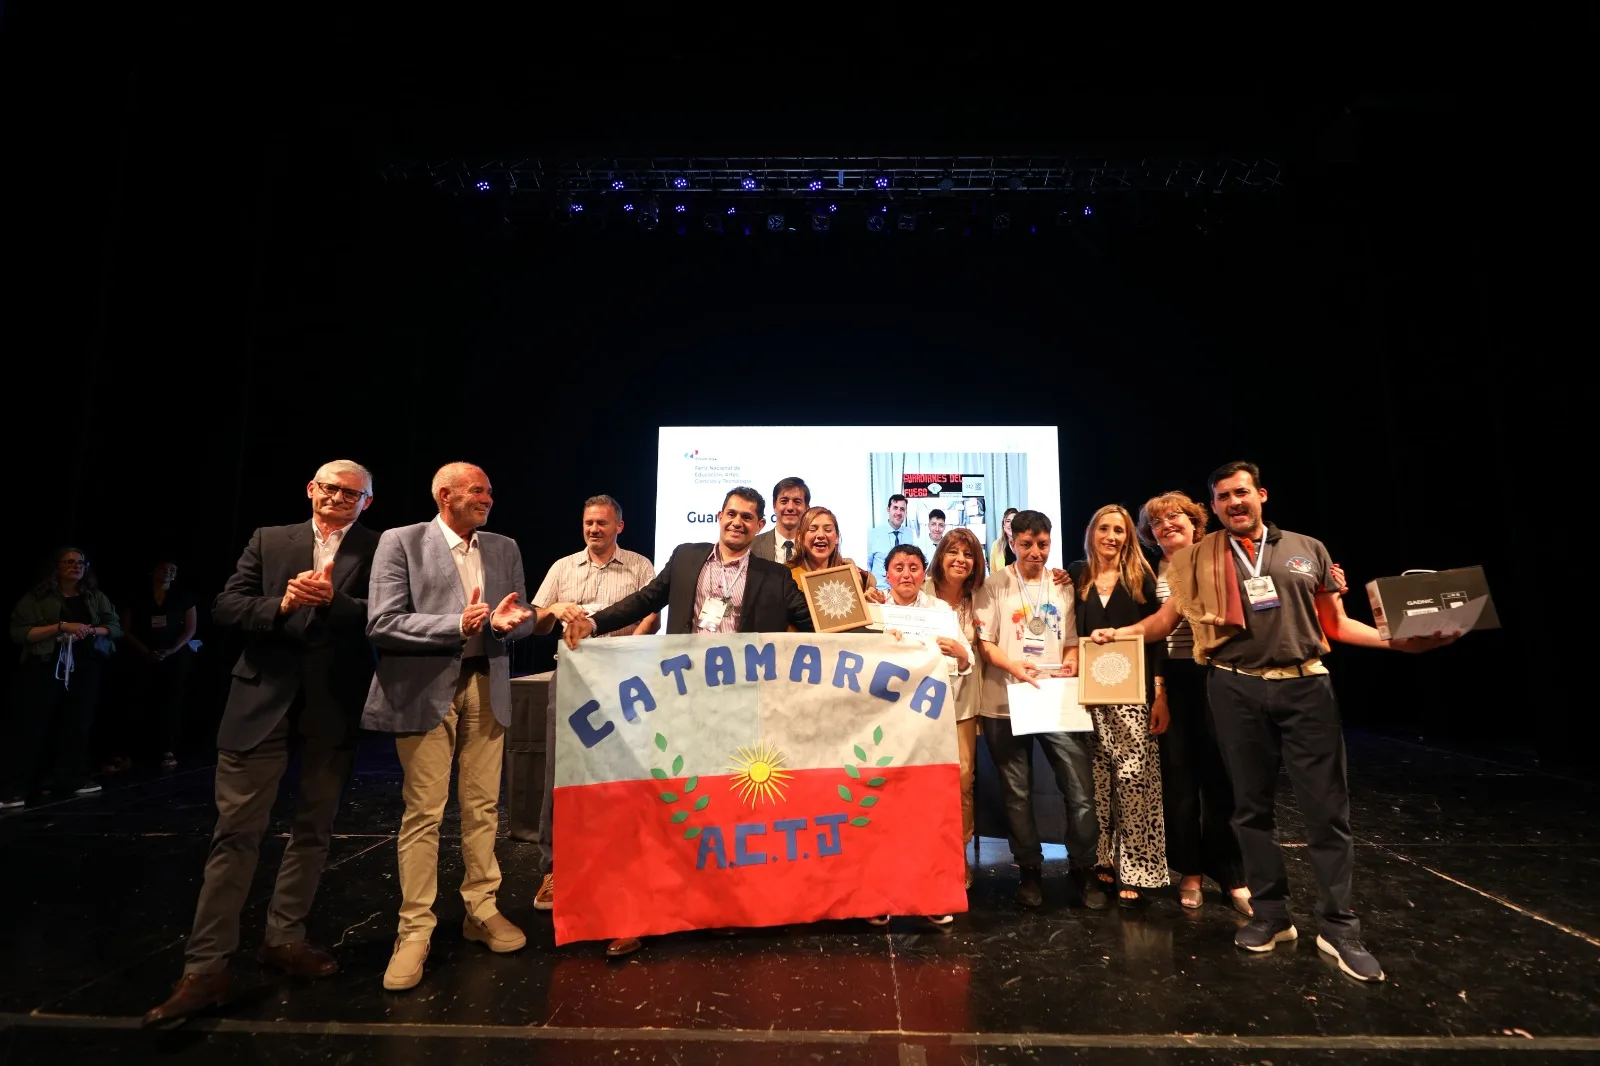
column 445, row 606
column 299, row 598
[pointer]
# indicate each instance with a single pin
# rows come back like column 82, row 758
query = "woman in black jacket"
column 1116, row 587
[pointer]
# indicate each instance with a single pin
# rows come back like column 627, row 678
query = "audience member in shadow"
column 66, row 627
column 159, row 624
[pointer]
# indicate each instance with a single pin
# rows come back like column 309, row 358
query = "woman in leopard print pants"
column 1116, row 587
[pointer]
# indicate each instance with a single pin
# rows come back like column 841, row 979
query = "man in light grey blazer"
column 443, row 687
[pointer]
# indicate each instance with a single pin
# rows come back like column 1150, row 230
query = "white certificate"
column 925, row 623
column 1053, row 707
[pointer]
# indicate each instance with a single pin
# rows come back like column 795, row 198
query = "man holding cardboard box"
column 1263, row 604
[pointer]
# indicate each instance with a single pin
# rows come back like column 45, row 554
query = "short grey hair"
column 345, row 466
column 604, row 501
column 450, row 473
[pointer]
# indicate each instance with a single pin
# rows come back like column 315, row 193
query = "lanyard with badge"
column 1035, row 627
column 716, row 606
column 1258, row 587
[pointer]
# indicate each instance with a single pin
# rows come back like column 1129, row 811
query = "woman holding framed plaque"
column 1116, row 587
column 819, row 550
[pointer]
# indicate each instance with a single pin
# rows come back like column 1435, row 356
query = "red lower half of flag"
column 639, row 858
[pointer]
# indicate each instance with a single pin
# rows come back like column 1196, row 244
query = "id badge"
column 1033, row 648
column 711, row 614
column 1263, row 595
column 158, row 621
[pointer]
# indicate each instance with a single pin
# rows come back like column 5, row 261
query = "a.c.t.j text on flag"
column 752, row 780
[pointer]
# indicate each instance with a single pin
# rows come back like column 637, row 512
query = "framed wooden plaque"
column 1111, row 673
column 834, row 598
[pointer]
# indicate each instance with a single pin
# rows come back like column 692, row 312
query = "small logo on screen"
column 695, row 454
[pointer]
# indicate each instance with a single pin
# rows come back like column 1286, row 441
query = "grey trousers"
column 246, row 786
column 1070, row 758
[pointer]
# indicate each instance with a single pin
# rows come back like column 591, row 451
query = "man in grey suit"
column 443, row 687
column 299, row 597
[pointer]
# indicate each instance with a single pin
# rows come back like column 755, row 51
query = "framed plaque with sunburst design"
column 834, row 596
column 1111, row 673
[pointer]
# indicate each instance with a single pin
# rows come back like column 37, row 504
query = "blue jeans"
column 1070, row 758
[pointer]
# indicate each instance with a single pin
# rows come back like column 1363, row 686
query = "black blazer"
column 772, row 600
column 1119, row 610
column 283, row 652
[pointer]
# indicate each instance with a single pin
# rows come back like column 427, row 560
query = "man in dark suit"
column 443, row 687
column 714, row 588
column 299, row 596
column 790, row 499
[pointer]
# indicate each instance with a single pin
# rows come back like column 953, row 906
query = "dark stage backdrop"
column 218, row 341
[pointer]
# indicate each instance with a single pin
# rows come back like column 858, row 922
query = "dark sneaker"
column 1030, row 889
column 1354, row 959
column 1091, row 889
column 1264, row 934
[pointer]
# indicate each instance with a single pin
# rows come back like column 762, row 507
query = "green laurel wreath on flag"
column 673, row 798
column 867, row 799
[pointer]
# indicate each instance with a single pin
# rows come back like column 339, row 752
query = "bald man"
column 446, row 600
column 299, row 599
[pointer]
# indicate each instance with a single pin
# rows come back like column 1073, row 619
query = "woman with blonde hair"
column 1116, row 587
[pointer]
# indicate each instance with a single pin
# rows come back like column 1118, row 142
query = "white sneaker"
column 14, row 801
column 87, row 790
column 405, row 965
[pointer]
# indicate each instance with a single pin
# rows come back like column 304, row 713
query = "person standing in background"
column 1000, row 553
column 781, row 543
column 885, row 538
column 159, row 626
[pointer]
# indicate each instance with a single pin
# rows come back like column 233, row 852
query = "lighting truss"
column 895, row 177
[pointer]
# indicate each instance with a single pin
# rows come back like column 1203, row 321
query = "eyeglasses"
column 1166, row 520
column 347, row 495
column 76, row 562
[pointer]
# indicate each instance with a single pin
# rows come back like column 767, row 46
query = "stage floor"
column 1477, row 879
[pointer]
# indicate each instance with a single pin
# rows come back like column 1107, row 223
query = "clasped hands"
column 308, row 588
column 507, row 615
column 70, row 631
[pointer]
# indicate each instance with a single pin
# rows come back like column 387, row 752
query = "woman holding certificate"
column 954, row 576
column 907, row 573
column 1116, row 587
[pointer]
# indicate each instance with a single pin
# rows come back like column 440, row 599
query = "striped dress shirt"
column 576, row 579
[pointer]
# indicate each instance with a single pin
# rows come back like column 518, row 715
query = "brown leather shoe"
column 624, row 946
column 300, row 959
column 193, row 993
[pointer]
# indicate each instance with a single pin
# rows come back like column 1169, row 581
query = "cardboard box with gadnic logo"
column 1421, row 603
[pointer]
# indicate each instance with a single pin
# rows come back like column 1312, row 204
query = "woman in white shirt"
column 906, row 569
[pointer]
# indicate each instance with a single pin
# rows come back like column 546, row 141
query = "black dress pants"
column 1292, row 722
column 1198, row 795
column 53, row 718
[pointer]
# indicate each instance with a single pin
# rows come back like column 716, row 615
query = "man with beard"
column 1263, row 603
column 443, row 687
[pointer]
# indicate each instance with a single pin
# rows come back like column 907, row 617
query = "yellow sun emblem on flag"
column 758, row 774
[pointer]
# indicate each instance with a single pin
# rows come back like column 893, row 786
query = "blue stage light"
column 832, row 208
column 1088, row 210
column 748, row 184
column 881, row 182
column 775, row 222
column 627, row 207
column 680, row 182
column 680, row 208
column 815, row 184
column 616, row 184
column 483, row 186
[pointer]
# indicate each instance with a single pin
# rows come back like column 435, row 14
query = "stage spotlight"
column 880, row 181
column 775, row 222
column 876, row 221
column 680, row 208
column 617, row 185
column 821, row 220
column 1087, row 210
column 1014, row 182
column 483, row 186
column 748, row 184
column 1001, row 221
column 947, row 183
column 680, row 182
column 906, row 222
column 712, row 222
column 628, row 207
column 1065, row 217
